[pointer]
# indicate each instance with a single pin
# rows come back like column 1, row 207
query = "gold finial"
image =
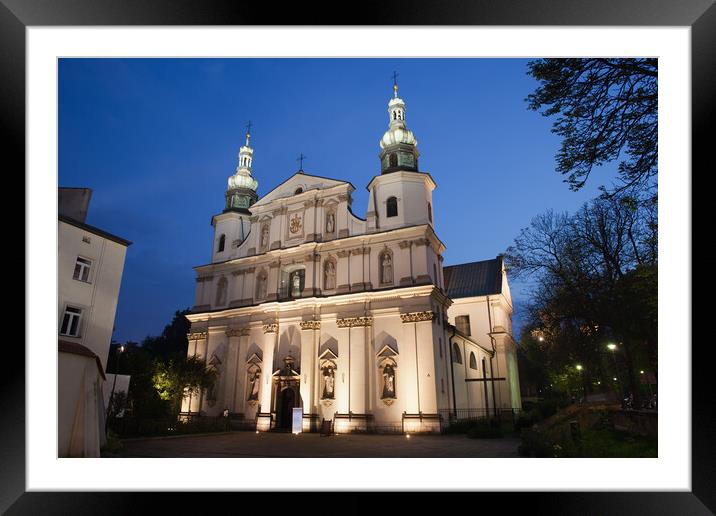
column 395, row 84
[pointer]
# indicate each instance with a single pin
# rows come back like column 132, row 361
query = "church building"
column 354, row 320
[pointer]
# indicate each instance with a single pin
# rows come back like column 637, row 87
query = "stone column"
column 197, row 347
column 263, row 422
column 310, row 332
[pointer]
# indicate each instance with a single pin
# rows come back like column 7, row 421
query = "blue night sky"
column 157, row 139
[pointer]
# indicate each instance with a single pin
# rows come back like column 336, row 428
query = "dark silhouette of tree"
column 606, row 110
column 593, row 278
column 173, row 338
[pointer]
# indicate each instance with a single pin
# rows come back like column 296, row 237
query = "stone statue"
column 387, row 268
column 262, row 286
column 388, row 382
column 296, row 290
column 330, row 223
column 330, row 280
column 254, row 394
column 264, row 236
column 329, row 382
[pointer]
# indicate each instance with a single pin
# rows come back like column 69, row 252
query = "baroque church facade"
column 356, row 321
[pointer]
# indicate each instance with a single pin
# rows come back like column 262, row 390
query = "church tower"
column 232, row 225
column 400, row 196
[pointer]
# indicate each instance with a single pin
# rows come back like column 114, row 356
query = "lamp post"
column 114, row 383
column 612, row 348
column 579, row 368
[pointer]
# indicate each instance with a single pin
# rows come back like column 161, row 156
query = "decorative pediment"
column 328, row 354
column 215, row 361
column 298, row 180
column 387, row 351
column 254, row 359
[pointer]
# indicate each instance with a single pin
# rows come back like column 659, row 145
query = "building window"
column 392, row 207
column 222, row 243
column 82, row 269
column 298, row 191
column 430, row 213
column 393, row 159
column 457, row 356
column 463, row 324
column 71, row 322
column 473, row 361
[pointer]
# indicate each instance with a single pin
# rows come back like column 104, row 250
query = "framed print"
column 274, row 350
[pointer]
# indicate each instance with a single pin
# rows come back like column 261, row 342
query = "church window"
column 457, row 356
column 82, row 269
column 463, row 324
column 393, row 161
column 298, row 190
column 222, row 243
column 473, row 361
column 435, row 274
column 430, row 213
column 71, row 322
column 392, row 207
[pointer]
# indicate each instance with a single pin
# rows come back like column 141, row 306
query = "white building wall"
column 97, row 297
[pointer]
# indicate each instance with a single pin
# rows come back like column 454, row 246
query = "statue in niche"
column 264, row 236
column 296, row 284
column 329, row 282
column 329, row 381
column 261, row 290
column 388, row 382
column 254, row 391
column 330, row 223
column 386, row 269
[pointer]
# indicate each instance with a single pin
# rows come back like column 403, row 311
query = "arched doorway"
column 284, row 409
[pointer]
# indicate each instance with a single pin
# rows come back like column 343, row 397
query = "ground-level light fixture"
column 612, row 346
column 615, row 378
column 641, row 372
column 579, row 367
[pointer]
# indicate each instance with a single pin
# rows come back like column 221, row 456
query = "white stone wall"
column 98, row 296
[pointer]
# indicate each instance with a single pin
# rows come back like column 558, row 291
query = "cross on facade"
column 300, row 159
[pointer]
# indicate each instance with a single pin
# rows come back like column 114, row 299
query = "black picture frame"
column 700, row 15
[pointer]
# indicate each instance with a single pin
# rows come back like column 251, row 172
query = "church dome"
column 242, row 187
column 396, row 135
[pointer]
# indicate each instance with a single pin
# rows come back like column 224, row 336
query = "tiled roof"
column 474, row 279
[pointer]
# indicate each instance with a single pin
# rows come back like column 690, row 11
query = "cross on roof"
column 301, row 158
column 248, row 127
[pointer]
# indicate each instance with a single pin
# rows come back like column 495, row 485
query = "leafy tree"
column 606, row 110
column 173, row 338
column 181, row 376
column 594, row 281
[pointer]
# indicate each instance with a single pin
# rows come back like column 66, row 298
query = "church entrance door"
column 284, row 409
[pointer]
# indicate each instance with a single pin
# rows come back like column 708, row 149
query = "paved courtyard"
column 249, row 444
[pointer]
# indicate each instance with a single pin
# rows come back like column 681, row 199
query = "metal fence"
column 139, row 427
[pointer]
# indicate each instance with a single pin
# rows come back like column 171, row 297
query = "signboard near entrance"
column 297, row 420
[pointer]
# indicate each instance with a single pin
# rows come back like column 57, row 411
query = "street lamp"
column 613, row 347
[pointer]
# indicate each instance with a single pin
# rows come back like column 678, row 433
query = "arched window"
column 222, row 243
column 393, row 160
column 457, row 356
column 298, row 191
column 392, row 207
column 473, row 361
column 430, row 213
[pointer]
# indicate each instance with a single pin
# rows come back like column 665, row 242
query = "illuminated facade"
column 305, row 304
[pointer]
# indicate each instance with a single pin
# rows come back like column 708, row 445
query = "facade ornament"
column 427, row 315
column 350, row 322
column 254, row 218
column 344, row 197
column 237, row 332
column 311, row 325
column 196, row 335
column 343, row 253
column 404, row 244
column 309, row 203
column 270, row 328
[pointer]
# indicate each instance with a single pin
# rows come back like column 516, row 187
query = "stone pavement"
column 249, row 444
